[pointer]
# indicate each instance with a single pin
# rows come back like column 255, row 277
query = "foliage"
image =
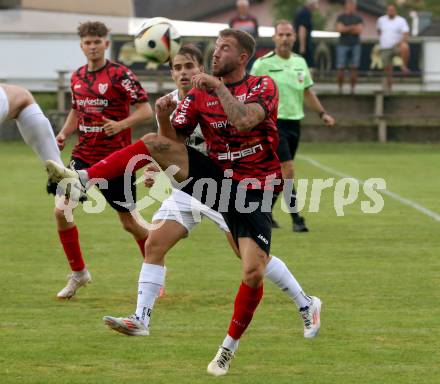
column 423, row 5
column 286, row 9
column 46, row 100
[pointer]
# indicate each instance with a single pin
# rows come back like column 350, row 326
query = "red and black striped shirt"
column 249, row 154
column 107, row 92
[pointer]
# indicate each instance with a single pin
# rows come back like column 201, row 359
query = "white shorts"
column 4, row 105
column 188, row 211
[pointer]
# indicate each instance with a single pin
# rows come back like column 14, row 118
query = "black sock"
column 291, row 202
column 274, row 200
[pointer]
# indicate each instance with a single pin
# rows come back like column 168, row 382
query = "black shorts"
column 115, row 192
column 256, row 224
column 290, row 133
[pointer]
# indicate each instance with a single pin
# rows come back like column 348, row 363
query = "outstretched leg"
column 33, row 125
column 151, row 278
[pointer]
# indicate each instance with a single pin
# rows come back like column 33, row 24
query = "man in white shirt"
column 393, row 31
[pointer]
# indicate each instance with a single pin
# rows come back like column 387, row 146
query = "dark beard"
column 227, row 68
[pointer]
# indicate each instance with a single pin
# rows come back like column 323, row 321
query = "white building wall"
column 33, row 60
column 431, row 64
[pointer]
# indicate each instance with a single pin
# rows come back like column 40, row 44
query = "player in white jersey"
column 18, row 103
column 181, row 207
column 180, row 213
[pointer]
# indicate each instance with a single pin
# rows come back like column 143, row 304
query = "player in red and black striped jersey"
column 180, row 213
column 102, row 93
column 100, row 96
column 249, row 154
column 237, row 114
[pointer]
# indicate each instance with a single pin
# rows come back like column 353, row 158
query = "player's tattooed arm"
column 243, row 116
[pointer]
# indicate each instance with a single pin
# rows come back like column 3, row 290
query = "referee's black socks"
column 290, row 200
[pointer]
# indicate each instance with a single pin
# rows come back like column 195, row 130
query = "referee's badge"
column 102, row 88
column 301, row 77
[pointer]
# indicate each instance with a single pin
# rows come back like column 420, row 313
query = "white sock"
column 164, row 279
column 230, row 343
column 151, row 278
column 37, row 132
column 279, row 274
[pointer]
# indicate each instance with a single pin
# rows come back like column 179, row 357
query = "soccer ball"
column 157, row 40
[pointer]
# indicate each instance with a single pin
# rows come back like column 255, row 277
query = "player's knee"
column 150, row 138
column 24, row 98
column 156, row 143
column 253, row 276
column 60, row 217
column 128, row 225
column 58, row 213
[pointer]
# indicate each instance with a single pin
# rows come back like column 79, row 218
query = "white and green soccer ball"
column 157, row 40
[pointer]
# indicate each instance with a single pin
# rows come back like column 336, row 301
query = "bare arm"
column 405, row 37
column 71, row 123
column 243, row 116
column 143, row 112
column 357, row 29
column 164, row 108
column 341, row 28
column 70, row 126
column 166, row 129
column 314, row 103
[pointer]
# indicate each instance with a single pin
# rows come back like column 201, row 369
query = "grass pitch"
column 378, row 276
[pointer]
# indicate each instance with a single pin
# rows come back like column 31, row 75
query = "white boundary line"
column 395, row 196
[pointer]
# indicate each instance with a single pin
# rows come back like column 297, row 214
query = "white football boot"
column 67, row 179
column 311, row 317
column 219, row 366
column 73, row 283
column 130, row 325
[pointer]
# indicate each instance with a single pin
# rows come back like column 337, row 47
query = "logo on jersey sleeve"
column 181, row 118
column 102, row 88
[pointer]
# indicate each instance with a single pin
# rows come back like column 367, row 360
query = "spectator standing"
column 244, row 20
column 394, row 32
column 348, row 52
column 303, row 28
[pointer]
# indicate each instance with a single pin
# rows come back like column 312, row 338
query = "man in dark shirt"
column 244, row 20
column 303, row 29
column 348, row 55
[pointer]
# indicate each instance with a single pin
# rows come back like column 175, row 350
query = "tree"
column 286, row 9
column 423, row 5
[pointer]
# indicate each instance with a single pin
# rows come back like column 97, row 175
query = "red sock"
column 70, row 241
column 141, row 244
column 246, row 302
column 115, row 164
